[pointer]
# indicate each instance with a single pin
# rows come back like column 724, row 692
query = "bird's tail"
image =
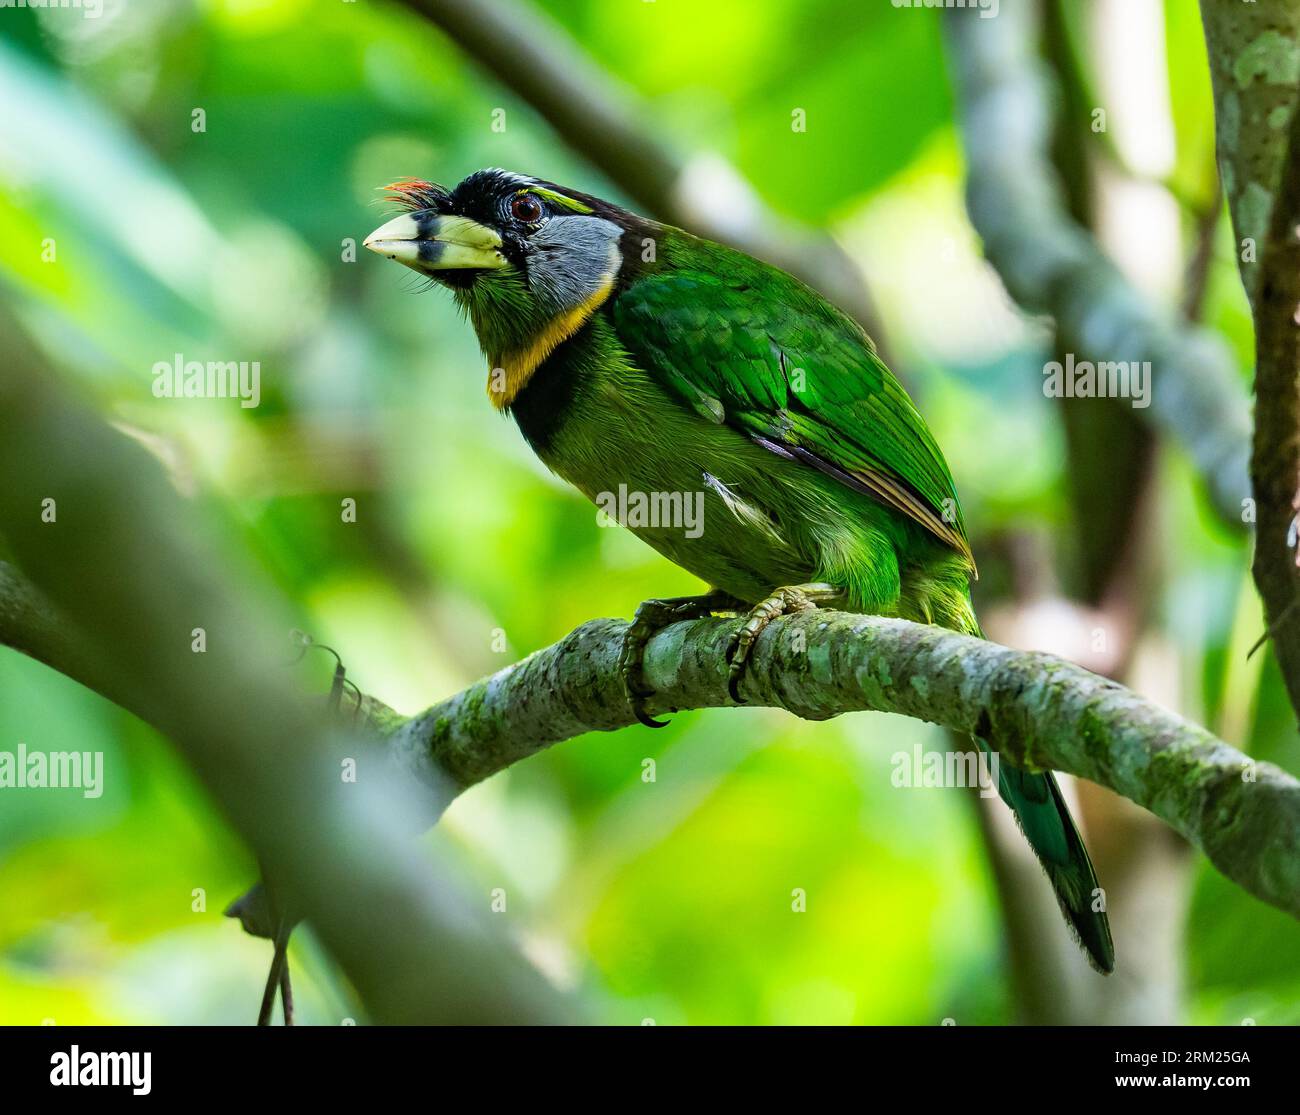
column 1041, row 812
column 1040, row 809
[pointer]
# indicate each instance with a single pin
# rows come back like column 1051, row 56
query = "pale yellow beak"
column 426, row 241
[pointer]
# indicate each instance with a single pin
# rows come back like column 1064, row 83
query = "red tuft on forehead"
column 413, row 194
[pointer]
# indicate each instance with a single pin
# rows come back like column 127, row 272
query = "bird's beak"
column 426, row 241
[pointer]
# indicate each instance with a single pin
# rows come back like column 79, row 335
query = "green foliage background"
column 669, row 900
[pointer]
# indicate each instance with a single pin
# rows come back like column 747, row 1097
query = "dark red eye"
column 526, row 208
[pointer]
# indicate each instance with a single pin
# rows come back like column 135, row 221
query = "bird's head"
column 528, row 260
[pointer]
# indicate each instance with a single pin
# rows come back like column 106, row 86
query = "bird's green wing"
column 747, row 345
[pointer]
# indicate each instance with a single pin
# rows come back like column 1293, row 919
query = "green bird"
column 638, row 358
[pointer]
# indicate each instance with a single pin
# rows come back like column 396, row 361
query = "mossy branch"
column 1032, row 708
column 1255, row 67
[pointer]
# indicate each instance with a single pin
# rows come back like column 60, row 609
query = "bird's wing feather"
column 751, row 347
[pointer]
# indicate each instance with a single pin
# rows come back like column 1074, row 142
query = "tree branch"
column 1254, row 52
column 1051, row 265
column 1033, row 709
column 1255, row 66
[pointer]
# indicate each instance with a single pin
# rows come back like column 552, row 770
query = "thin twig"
column 278, row 963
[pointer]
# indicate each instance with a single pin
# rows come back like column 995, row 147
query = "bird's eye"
column 526, row 208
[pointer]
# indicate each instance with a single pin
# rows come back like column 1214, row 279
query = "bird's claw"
column 783, row 602
column 630, row 662
column 651, row 617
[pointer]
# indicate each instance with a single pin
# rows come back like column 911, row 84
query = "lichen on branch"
column 1032, row 708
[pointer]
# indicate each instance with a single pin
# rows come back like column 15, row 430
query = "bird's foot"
column 783, row 602
column 651, row 617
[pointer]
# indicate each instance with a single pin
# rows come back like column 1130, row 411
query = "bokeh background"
column 669, row 900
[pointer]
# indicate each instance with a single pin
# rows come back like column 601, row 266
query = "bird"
column 636, row 357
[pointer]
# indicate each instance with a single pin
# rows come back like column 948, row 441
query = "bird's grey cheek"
column 568, row 259
column 557, row 282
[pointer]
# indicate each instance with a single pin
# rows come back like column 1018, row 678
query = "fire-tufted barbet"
column 634, row 354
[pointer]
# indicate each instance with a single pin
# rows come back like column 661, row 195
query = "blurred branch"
column 29, row 623
column 605, row 122
column 1197, row 274
column 1051, row 265
column 1255, row 67
column 123, row 579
